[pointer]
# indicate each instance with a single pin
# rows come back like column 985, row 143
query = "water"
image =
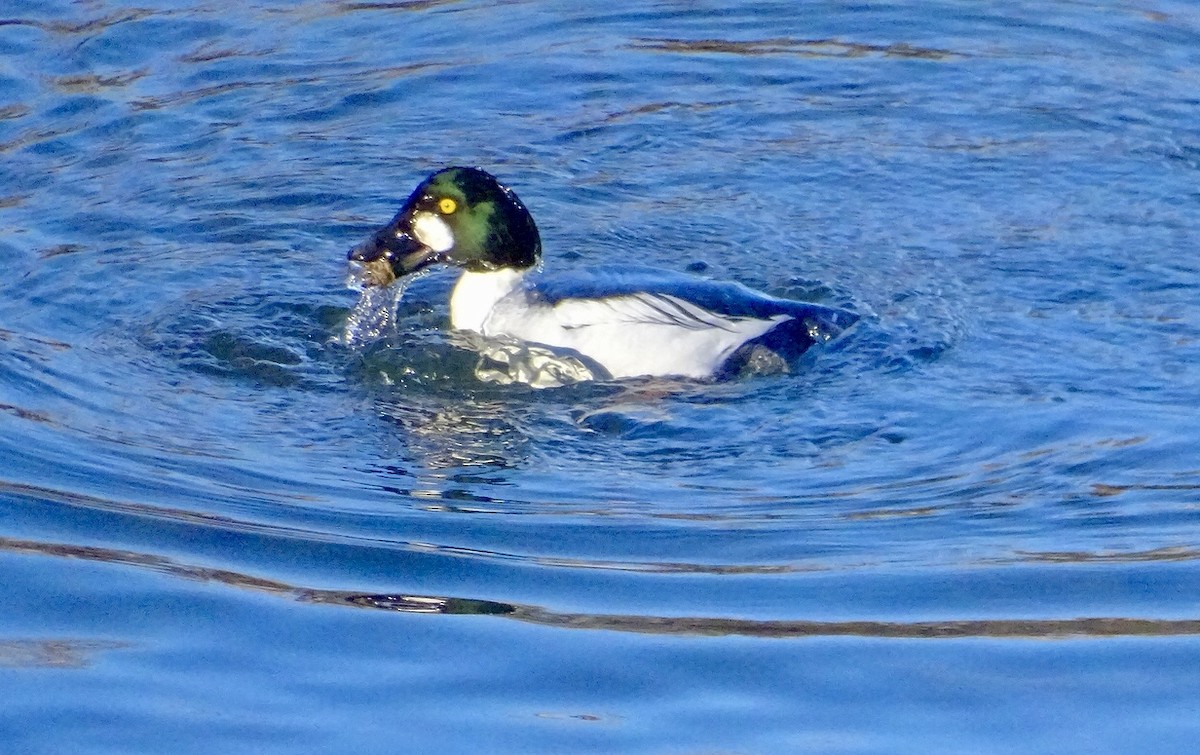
column 971, row 525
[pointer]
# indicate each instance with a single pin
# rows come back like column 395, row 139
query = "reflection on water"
column 66, row 654
column 61, row 653
column 809, row 48
column 452, row 434
column 507, row 361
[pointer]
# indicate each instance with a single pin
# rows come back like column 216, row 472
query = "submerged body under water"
column 242, row 509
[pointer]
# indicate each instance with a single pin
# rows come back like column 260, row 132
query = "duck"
column 611, row 321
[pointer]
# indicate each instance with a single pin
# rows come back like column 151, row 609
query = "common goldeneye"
column 620, row 321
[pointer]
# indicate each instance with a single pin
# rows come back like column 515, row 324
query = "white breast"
column 476, row 294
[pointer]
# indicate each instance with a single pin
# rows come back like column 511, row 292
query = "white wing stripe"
column 644, row 309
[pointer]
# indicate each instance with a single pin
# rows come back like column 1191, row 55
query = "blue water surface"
column 970, row 525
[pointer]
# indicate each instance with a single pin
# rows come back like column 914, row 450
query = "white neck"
column 476, row 293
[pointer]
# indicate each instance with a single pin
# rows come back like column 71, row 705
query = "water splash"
column 374, row 314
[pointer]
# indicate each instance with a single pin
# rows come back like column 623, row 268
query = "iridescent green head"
column 459, row 216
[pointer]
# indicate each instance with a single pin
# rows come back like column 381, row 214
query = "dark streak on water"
column 1027, row 628
column 197, row 469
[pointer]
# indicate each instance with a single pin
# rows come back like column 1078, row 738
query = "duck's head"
column 458, row 216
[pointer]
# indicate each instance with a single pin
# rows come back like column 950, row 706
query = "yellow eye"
column 447, row 205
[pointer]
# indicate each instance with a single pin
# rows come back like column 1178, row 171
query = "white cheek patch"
column 433, row 232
